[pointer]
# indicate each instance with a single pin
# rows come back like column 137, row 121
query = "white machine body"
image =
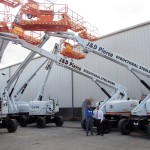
column 23, row 107
column 48, row 107
column 122, row 107
column 114, row 96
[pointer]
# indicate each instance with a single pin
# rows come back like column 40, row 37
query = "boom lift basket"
column 3, row 27
column 30, row 37
column 90, row 32
column 70, row 53
column 5, row 20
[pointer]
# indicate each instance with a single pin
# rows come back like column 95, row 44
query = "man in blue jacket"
column 89, row 119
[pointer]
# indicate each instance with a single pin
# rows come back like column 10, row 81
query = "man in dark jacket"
column 89, row 119
column 86, row 102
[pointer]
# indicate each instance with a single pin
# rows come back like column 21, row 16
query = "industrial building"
column 71, row 89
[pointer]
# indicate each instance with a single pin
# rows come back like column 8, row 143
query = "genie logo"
column 133, row 105
column 35, row 107
column 111, row 106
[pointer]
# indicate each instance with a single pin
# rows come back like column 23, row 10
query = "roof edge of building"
column 125, row 29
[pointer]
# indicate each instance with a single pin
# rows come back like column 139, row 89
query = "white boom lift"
column 120, row 91
column 41, row 112
column 38, row 111
column 140, row 115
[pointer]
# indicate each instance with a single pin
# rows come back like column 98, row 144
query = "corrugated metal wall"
column 133, row 44
column 85, row 87
column 58, row 85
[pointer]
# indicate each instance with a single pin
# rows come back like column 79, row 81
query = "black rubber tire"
column 11, row 125
column 59, row 121
column 83, row 124
column 106, row 126
column 23, row 121
column 148, row 129
column 124, row 126
column 48, row 119
column 40, row 122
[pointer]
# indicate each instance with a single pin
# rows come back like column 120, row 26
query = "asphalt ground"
column 70, row 137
